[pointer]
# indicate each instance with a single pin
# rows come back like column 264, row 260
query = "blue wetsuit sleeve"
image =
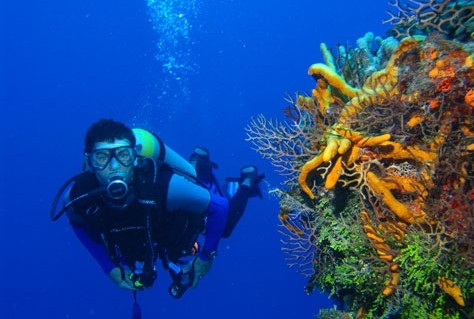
column 216, row 219
column 95, row 247
column 90, row 240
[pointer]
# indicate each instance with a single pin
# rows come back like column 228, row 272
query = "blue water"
column 193, row 71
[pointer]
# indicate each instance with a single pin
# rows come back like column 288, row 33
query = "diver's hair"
column 107, row 130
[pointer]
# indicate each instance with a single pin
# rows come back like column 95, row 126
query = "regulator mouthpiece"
column 117, row 188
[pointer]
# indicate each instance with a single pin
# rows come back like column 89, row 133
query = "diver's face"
column 111, row 161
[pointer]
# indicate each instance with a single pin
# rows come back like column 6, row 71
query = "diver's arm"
column 88, row 237
column 95, row 247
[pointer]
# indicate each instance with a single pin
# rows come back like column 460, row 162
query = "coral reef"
column 377, row 203
column 452, row 18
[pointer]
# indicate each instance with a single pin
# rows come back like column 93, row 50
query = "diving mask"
column 99, row 158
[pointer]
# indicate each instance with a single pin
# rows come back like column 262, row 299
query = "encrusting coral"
column 380, row 171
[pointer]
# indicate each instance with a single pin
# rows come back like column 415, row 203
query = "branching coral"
column 449, row 17
column 283, row 143
column 288, row 143
column 381, row 180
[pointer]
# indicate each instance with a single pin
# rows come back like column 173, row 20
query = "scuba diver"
column 237, row 190
column 138, row 202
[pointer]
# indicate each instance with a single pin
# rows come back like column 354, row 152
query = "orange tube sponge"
column 386, row 257
column 360, row 139
column 354, row 155
column 405, row 184
column 344, row 146
column 322, row 94
column 399, row 209
column 371, row 141
column 469, row 98
column 283, row 216
column 331, row 149
column 333, row 79
column 334, row 174
column 381, row 84
column 449, row 287
column 391, row 284
column 415, row 120
column 327, row 55
column 375, row 237
column 305, row 170
column 399, row 152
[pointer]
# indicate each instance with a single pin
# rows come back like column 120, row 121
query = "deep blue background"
column 65, row 64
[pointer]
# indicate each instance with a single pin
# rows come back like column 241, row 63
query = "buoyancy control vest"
column 141, row 228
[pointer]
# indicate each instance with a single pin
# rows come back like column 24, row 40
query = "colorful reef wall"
column 378, row 161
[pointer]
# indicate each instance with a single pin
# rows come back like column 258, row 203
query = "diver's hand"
column 199, row 267
column 121, row 278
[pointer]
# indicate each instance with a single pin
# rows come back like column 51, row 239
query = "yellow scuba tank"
column 150, row 145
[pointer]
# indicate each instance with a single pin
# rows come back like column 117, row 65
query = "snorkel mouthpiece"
column 117, row 188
